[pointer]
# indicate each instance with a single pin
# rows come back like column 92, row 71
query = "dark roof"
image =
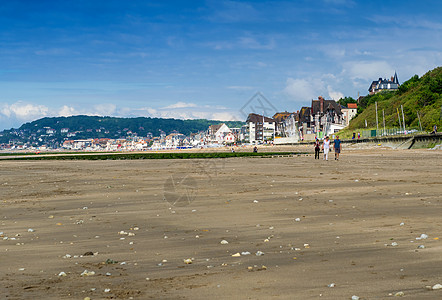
column 386, row 81
column 215, row 128
column 281, row 116
column 328, row 105
column 255, row 118
column 304, row 114
column 395, row 80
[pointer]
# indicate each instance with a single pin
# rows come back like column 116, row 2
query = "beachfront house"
column 219, row 134
column 323, row 118
column 305, row 122
column 326, row 116
column 279, row 118
column 259, row 128
column 349, row 112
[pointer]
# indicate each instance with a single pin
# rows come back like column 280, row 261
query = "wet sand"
column 349, row 231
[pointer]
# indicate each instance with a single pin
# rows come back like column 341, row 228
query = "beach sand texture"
column 326, row 229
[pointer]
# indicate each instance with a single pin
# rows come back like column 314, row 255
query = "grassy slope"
column 423, row 95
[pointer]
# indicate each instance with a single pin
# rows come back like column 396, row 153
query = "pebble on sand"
column 87, row 273
column 422, row 237
column 188, row 261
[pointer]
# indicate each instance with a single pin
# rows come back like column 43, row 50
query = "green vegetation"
column 140, row 125
column 345, row 101
column 165, row 155
column 421, row 96
column 41, row 153
column 102, row 127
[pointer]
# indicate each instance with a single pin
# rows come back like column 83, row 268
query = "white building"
column 349, row 112
column 260, row 128
column 220, row 134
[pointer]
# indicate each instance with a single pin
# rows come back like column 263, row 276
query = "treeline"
column 103, row 127
column 140, row 125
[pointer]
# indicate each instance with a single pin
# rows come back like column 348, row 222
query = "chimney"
column 321, row 101
column 392, row 79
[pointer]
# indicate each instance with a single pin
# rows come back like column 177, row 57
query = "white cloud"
column 217, row 112
column 406, row 21
column 104, row 109
column 180, row 105
column 335, row 95
column 335, row 51
column 301, row 89
column 67, row 111
column 367, row 70
column 24, row 111
column 20, row 112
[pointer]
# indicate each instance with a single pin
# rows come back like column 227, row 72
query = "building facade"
column 260, row 128
column 349, row 112
column 384, row 85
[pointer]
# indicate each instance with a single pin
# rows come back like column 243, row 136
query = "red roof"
column 352, row 105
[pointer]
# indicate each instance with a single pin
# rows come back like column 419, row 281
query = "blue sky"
column 203, row 59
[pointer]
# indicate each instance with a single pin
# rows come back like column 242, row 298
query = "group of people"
column 326, row 147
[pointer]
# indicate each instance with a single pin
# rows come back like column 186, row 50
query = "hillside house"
column 384, row 85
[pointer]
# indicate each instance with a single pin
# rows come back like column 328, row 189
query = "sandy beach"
column 367, row 225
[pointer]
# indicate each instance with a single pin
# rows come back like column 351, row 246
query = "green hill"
column 421, row 96
column 36, row 132
column 140, row 125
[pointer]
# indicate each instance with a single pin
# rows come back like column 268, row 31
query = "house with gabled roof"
column 326, row 116
column 218, row 133
column 384, row 85
column 279, row 118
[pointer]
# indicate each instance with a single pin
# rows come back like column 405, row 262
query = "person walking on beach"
column 317, row 148
column 337, row 147
column 326, row 147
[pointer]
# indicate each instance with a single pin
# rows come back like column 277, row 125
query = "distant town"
column 323, row 117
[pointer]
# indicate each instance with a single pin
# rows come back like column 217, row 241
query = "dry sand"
column 350, row 214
